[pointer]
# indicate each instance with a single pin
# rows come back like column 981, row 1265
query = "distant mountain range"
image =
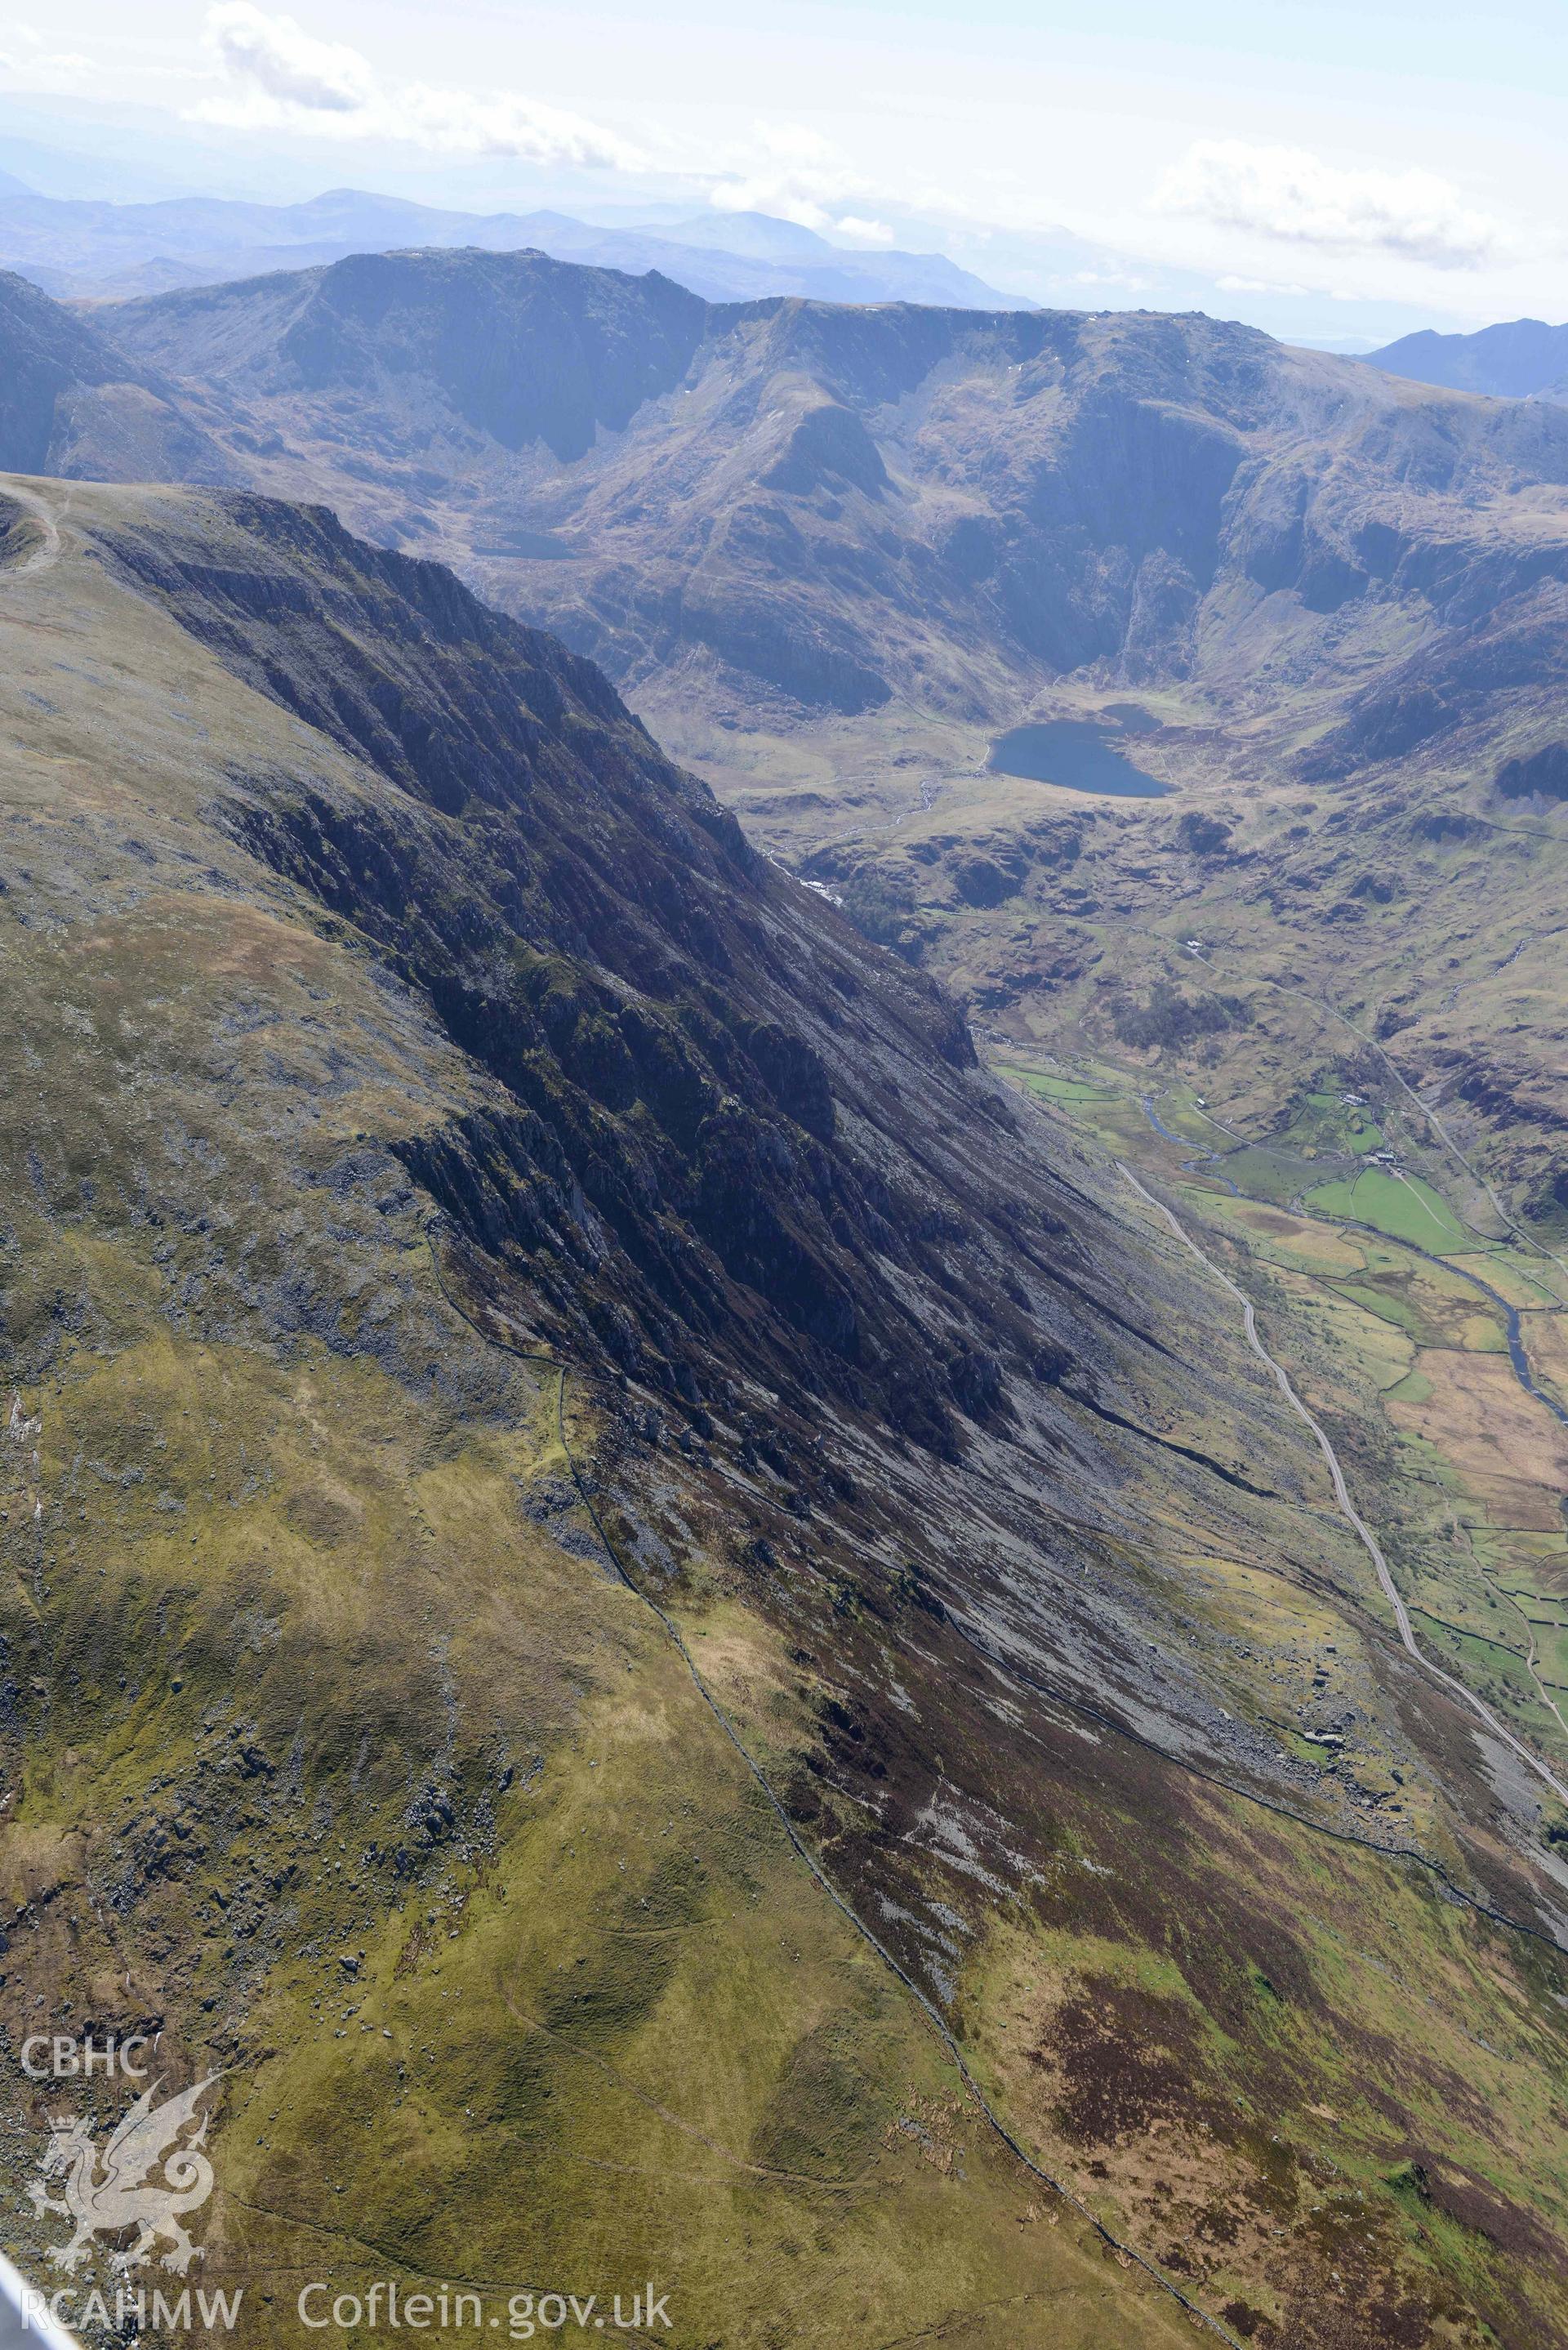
column 74, row 248
column 767, row 513
column 839, row 509
column 1525, row 359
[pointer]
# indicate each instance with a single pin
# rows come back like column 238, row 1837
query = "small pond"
column 1083, row 753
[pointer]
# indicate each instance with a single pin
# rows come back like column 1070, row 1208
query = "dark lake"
column 1080, row 752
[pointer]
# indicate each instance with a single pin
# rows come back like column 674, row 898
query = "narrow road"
column 1342, row 1495
column 1211, row 1162
column 1532, row 1654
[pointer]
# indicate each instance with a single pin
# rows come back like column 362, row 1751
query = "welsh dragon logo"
column 143, row 2177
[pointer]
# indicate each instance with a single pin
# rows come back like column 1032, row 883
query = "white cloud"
column 69, row 62
column 28, row 55
column 1293, row 197
column 1232, row 284
column 277, row 59
column 854, row 230
column 793, row 173
column 1126, row 279
column 277, row 76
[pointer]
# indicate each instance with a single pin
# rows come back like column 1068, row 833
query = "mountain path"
column 45, row 556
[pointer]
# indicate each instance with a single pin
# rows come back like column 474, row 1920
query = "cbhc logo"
column 66, row 2058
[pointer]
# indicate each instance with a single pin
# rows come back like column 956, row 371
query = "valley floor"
column 1439, row 1351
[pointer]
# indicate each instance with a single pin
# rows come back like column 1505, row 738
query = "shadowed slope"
column 69, row 401
column 386, row 1006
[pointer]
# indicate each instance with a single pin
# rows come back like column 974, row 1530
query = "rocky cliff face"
column 70, row 402
column 503, row 348
column 835, row 506
column 699, row 1129
column 830, row 552
column 47, row 353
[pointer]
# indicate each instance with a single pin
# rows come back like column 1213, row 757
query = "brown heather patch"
column 1192, row 2200
column 1124, row 2058
column 1463, row 2196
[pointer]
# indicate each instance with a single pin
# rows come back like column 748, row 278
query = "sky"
column 1317, row 166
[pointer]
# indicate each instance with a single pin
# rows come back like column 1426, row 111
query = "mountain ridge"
column 846, row 505
column 1521, row 360
column 97, row 249
column 832, row 554
column 65, row 388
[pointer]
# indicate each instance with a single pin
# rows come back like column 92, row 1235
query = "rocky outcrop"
column 1542, row 775
column 71, row 403
column 49, row 354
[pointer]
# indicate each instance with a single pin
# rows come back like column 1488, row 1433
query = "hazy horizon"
column 1322, row 175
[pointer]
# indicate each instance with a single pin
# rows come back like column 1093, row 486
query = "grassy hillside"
column 339, row 1755
column 343, row 1745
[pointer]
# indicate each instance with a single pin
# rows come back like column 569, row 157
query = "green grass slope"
column 342, row 1753
column 336, row 1755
